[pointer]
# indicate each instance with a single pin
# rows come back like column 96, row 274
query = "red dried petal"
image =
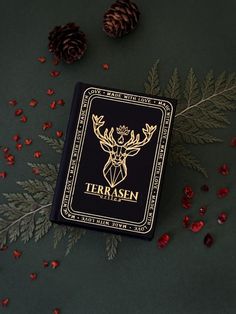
column 36, row 170
column 41, row 59
column 55, row 61
column 55, row 73
column 33, row 102
column 53, row 105
column 105, row 66
column 23, row 119
column 5, row 150
column 208, row 240
column 28, row 141
column 5, row 302
column 233, row 142
column 56, row 311
column 59, row 134
column 16, row 138
column 163, row 240
column 224, row 169
column 197, row 226
column 3, row 174
column 46, row 125
column 18, row 112
column 222, row 218
column 19, row 146
column 202, row 211
column 33, row 276
column 50, row 92
column 205, row 188
column 186, row 202
column 10, row 159
column 223, row 192
column 186, row 221
column 17, row 254
column 12, row 102
column 188, row 191
column 60, row 102
column 55, row 264
column 37, row 154
column 45, row 264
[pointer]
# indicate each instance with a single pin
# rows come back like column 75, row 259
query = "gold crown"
column 122, row 130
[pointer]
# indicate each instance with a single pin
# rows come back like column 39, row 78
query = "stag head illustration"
column 115, row 169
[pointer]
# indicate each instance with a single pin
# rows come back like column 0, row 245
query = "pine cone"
column 121, row 18
column 67, row 42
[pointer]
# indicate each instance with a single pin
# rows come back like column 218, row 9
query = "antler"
column 105, row 138
column 134, row 142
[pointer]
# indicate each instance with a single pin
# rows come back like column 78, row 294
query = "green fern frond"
column 112, row 242
column 173, row 88
column 179, row 154
column 152, row 85
column 47, row 171
column 56, row 144
column 74, row 235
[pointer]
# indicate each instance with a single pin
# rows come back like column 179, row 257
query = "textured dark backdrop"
column 184, row 278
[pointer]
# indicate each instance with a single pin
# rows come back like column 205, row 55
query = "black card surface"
column 113, row 160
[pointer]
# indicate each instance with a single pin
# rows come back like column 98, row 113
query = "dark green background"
column 184, row 278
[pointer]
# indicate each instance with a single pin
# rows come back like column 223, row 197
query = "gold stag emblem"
column 115, row 169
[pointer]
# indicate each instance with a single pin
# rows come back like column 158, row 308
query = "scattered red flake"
column 18, row 112
column 45, row 264
column 55, row 73
column 186, row 202
column 59, row 133
column 37, row 154
column 208, row 240
column 16, row 138
column 12, row 102
column 224, row 169
column 56, row 311
column 188, row 191
column 53, row 104
column 5, row 302
column 23, row 119
column 60, row 102
column 50, row 92
column 233, row 142
column 205, row 188
column 223, row 192
column 202, row 211
column 36, row 170
column 55, row 61
column 33, row 102
column 17, row 254
column 222, row 218
column 105, row 66
column 33, row 276
column 5, row 150
column 28, row 141
column 46, row 125
column 3, row 247
column 163, row 240
column 10, row 159
column 3, row 174
column 19, row 146
column 186, row 221
column 41, row 59
column 55, row 264
column 197, row 226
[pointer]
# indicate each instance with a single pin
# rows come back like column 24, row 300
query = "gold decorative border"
column 66, row 209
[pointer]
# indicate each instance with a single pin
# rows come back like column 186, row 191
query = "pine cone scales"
column 67, row 42
column 121, row 18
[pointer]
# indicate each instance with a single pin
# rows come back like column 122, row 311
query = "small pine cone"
column 121, row 18
column 67, row 42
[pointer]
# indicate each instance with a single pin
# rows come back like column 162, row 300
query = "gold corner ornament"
column 115, row 169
